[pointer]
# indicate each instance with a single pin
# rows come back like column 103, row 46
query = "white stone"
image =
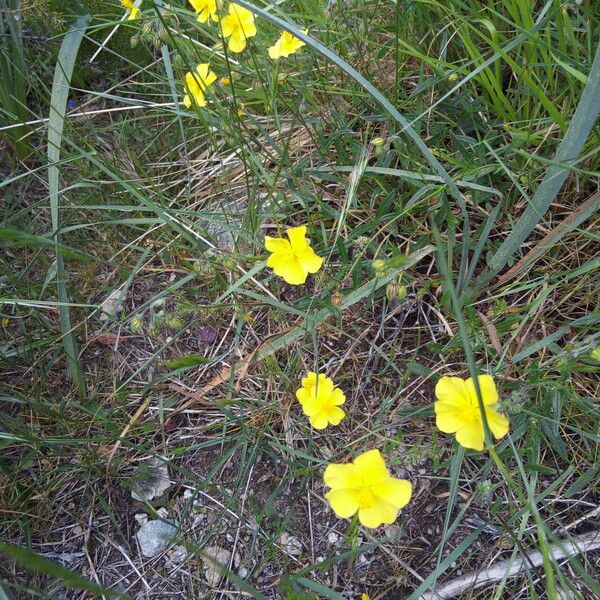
column 151, row 480
column 291, row 544
column 212, row 573
column 111, row 306
column 155, row 537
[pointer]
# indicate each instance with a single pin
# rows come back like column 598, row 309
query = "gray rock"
column 211, row 571
column 155, row 537
column 151, row 480
column 111, row 306
column 291, row 544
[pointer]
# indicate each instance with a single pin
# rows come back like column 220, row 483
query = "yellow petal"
column 338, row 397
column 324, row 386
column 471, row 435
column 292, row 272
column 319, row 420
column 396, row 492
column 449, row 417
column 310, row 379
column 277, row 244
column 452, row 390
column 301, row 395
column 497, row 423
column 310, row 261
column 344, row 502
column 297, row 237
column 335, row 415
column 227, row 25
column 489, row 394
column 275, row 50
column 205, row 76
column 237, row 42
column 371, row 466
column 341, row 476
column 187, row 101
column 381, row 512
column 249, row 29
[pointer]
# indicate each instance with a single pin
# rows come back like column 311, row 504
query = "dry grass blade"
column 577, row 217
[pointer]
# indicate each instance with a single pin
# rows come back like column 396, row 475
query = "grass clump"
column 397, row 196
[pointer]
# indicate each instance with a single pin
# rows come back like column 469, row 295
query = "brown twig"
column 241, row 368
column 136, row 415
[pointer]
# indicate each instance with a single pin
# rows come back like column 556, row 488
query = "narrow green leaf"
column 58, row 106
column 583, row 120
column 186, row 362
column 40, row 564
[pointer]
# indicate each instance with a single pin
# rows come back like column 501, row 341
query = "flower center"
column 366, row 498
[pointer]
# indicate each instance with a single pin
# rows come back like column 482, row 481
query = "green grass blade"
column 58, row 106
column 370, row 89
column 38, row 563
column 583, row 120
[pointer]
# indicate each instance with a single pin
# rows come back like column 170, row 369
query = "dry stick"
column 136, row 415
column 107, row 39
column 510, row 568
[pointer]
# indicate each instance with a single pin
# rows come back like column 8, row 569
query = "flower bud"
column 174, row 322
column 395, row 291
column 137, row 322
column 380, row 267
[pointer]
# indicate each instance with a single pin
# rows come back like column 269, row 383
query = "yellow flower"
column 457, row 410
column 321, row 400
column 286, row 44
column 241, row 110
column 205, row 9
column 365, row 597
column 133, row 11
column 595, row 353
column 225, row 80
column 295, row 259
column 195, row 84
column 238, row 26
column 366, row 486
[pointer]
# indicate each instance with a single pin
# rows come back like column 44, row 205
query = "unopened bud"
column 137, row 322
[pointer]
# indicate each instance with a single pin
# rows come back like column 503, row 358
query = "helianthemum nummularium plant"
column 196, row 83
column 365, row 486
column 205, row 10
column 286, row 44
column 133, row 12
column 457, row 410
column 292, row 260
column 321, row 400
column 238, row 26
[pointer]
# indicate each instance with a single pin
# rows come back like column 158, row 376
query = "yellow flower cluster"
column 365, row 486
column 238, row 26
